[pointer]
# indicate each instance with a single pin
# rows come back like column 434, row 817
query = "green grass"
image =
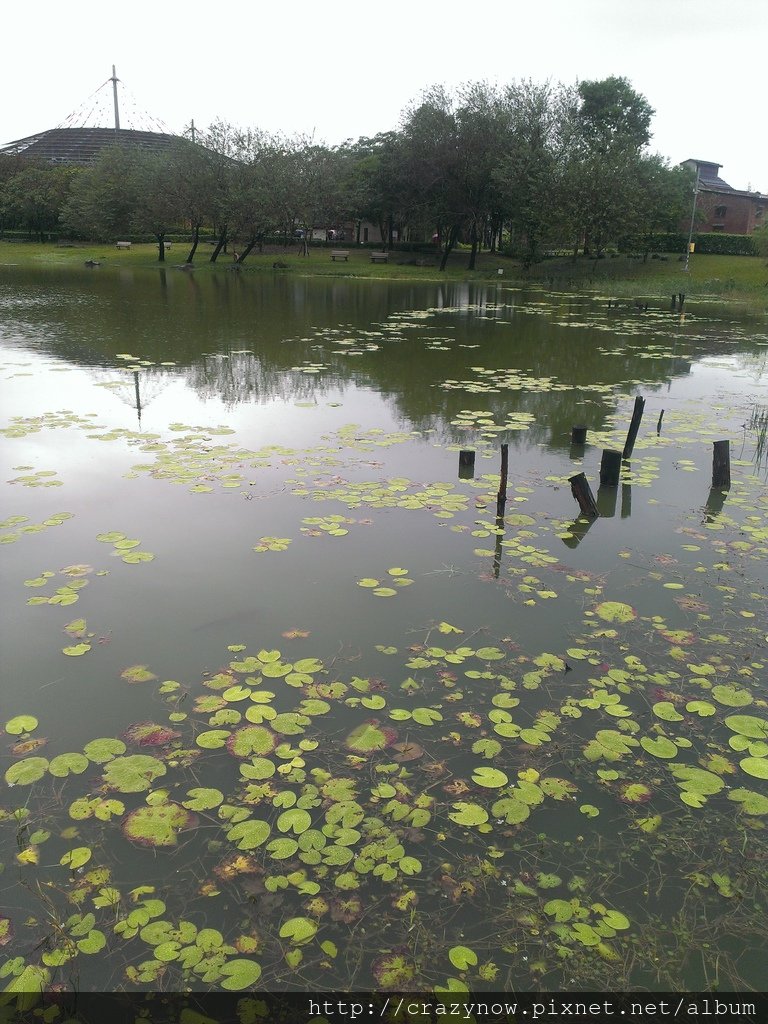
column 738, row 279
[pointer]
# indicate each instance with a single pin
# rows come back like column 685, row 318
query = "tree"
column 193, row 176
column 35, row 198
column 612, row 114
column 317, row 186
column 103, row 198
column 156, row 206
column 610, row 128
column 259, row 189
column 530, row 173
column 431, row 159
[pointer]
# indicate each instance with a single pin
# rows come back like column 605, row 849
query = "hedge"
column 707, row 242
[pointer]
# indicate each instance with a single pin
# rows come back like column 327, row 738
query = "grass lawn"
column 742, row 279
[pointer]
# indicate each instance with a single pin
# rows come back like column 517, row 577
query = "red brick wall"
column 739, row 216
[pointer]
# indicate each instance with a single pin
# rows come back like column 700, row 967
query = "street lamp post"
column 693, row 218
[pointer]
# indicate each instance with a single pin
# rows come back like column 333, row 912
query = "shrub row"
column 708, row 243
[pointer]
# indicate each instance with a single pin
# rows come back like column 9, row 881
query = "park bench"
column 379, row 257
column 122, row 245
column 339, row 254
column 166, row 245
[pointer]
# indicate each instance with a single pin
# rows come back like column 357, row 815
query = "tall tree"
column 35, row 197
column 103, row 198
column 156, row 206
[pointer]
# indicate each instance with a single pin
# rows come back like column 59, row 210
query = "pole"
column 693, row 217
column 114, row 81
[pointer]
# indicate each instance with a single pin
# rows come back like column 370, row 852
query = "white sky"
column 345, row 68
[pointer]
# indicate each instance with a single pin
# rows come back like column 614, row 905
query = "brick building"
column 719, row 207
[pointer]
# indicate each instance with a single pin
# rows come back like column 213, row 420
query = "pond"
column 321, row 718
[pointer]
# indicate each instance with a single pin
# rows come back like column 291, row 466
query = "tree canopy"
column 524, row 167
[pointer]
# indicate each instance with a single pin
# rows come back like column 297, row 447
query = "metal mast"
column 114, row 80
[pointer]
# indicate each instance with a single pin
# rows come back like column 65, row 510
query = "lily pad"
column 368, row 737
column 616, row 611
column 157, row 825
column 138, row 674
column 757, row 767
column 298, row 930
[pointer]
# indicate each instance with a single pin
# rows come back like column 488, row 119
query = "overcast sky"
column 345, row 68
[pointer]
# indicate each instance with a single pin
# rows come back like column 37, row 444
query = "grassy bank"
column 737, row 279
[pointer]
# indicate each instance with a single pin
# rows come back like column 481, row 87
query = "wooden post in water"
column 610, row 468
column 583, row 494
column 578, row 435
column 626, row 501
column 634, row 426
column 658, row 425
column 466, row 464
column 721, row 464
column 501, row 497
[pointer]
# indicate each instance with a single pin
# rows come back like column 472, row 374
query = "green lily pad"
column 250, row 740
column 368, row 737
column 134, row 773
column 102, row 750
column 157, row 825
column 750, row 801
column 667, row 711
column 202, row 799
column 489, row 778
column 748, row 725
column 249, row 834
column 240, row 974
column 462, row 957
column 465, row 813
column 757, row 767
column 731, row 696
column 68, row 764
column 298, row 930
column 23, row 773
column 616, row 611
column 134, row 557
column 76, row 650
column 138, row 674
column 659, row 746
column 76, row 858
column 20, row 724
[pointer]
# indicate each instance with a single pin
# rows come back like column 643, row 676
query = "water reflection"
column 244, row 339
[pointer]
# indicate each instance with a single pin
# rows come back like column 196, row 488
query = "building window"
column 720, row 211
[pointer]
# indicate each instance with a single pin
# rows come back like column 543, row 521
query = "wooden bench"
column 339, row 254
column 122, row 245
column 379, row 257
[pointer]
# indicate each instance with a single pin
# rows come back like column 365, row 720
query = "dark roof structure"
column 85, row 133
column 83, row 145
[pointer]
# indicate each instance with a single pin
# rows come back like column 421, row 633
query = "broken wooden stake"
column 466, row 464
column 501, row 497
column 658, row 425
column 721, row 464
column 582, row 492
column 578, row 435
column 634, row 426
column 610, row 468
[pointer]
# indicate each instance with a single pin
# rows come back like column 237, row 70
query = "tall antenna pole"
column 114, row 81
